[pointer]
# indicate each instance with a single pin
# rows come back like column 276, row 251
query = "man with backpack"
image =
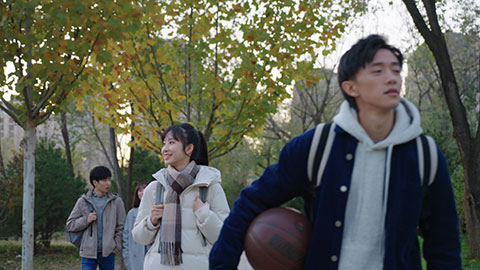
column 369, row 185
column 101, row 215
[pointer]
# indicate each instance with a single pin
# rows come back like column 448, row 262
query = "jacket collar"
column 205, row 177
column 110, row 195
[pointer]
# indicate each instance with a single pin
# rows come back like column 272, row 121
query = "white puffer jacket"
column 208, row 220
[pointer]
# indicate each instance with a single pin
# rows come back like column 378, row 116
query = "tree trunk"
column 66, row 139
column 131, row 161
column 28, row 196
column 469, row 146
column 4, row 181
column 116, row 167
column 2, row 164
column 472, row 220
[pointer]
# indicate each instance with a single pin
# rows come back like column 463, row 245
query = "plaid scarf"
column 171, row 228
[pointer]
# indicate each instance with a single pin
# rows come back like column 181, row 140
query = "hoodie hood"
column 407, row 125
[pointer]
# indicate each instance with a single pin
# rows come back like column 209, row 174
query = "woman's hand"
column 156, row 214
column 197, row 204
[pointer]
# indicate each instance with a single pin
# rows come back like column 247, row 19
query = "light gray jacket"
column 133, row 252
column 113, row 220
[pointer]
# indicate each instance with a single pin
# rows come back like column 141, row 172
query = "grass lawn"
column 467, row 262
column 63, row 255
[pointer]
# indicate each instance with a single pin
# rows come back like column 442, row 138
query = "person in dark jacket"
column 371, row 202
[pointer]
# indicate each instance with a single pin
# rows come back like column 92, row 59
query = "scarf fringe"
column 171, row 231
column 171, row 253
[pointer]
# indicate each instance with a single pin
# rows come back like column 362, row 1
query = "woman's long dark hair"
column 187, row 134
column 136, row 199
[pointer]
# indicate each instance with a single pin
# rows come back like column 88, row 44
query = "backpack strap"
column 322, row 144
column 91, row 209
column 89, row 205
column 317, row 159
column 203, row 190
column 427, row 159
column 159, row 198
column 319, row 151
column 203, row 193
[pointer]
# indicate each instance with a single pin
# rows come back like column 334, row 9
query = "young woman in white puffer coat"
column 178, row 225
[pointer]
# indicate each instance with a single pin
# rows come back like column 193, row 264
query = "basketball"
column 278, row 238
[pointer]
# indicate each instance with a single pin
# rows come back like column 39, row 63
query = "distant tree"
column 47, row 49
column 95, row 143
column 66, row 138
column 145, row 163
column 11, row 183
column 56, row 191
column 424, row 88
column 224, row 66
column 466, row 129
column 238, row 169
column 107, row 143
column 423, row 84
column 314, row 101
column 8, row 186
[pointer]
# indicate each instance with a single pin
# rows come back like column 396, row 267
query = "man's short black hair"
column 358, row 56
column 99, row 173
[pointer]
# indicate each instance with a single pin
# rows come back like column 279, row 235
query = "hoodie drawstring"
column 388, row 164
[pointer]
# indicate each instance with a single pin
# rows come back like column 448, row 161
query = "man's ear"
column 189, row 149
column 95, row 183
column 349, row 88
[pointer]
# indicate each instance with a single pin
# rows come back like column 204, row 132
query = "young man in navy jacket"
column 371, row 203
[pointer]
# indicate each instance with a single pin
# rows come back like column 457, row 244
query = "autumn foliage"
column 224, row 66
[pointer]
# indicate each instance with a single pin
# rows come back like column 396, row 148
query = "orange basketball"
column 278, row 238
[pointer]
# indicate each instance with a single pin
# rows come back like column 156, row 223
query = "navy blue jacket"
column 411, row 208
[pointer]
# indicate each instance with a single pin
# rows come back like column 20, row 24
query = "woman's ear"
column 349, row 88
column 189, row 149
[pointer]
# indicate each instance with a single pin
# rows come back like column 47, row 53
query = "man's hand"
column 156, row 214
column 92, row 217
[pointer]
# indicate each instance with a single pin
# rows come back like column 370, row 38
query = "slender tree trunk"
column 9, row 192
column 131, row 161
column 468, row 145
column 28, row 196
column 28, row 165
column 472, row 220
column 2, row 164
column 66, row 139
column 116, row 167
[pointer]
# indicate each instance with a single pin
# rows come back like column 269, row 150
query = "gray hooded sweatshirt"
column 363, row 243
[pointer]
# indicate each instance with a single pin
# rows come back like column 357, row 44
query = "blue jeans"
column 105, row 263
